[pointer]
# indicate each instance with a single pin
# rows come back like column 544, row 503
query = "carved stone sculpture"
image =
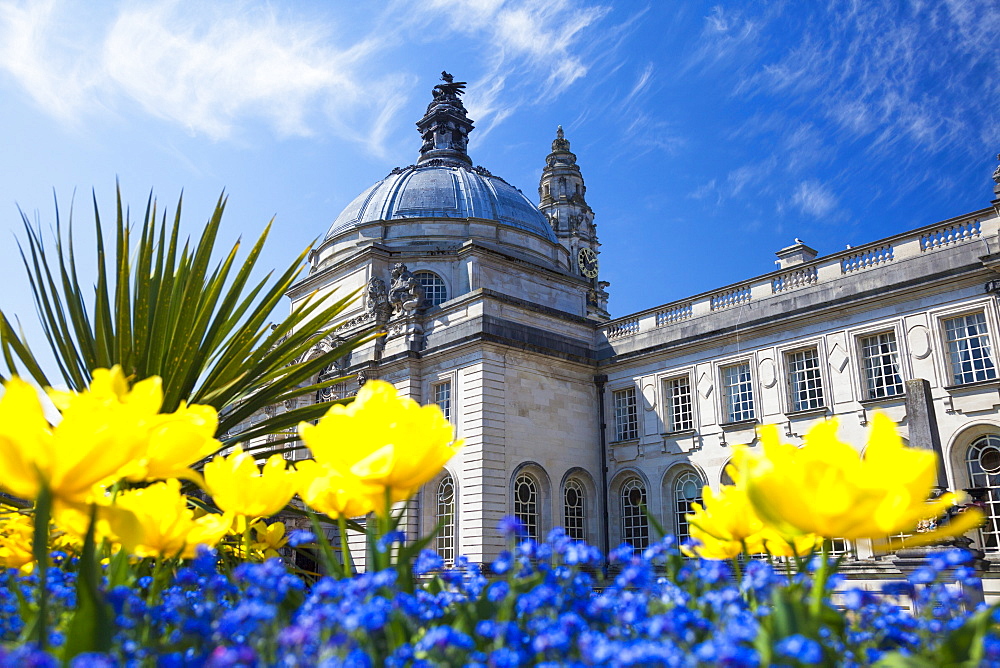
column 406, row 295
column 449, row 90
column 377, row 301
column 996, row 178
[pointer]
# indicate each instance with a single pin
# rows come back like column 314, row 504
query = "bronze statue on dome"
column 450, row 89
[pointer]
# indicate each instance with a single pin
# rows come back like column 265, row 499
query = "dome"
column 442, row 189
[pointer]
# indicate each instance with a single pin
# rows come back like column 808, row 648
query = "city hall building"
column 492, row 306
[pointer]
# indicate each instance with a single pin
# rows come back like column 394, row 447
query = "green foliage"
column 163, row 309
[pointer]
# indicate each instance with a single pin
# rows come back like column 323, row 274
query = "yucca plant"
column 159, row 309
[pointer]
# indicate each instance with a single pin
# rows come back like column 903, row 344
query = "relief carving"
column 406, row 295
column 377, row 301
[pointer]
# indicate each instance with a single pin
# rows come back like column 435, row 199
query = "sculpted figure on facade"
column 406, row 295
column 996, row 178
column 377, row 301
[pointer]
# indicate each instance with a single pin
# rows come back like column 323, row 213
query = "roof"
column 442, row 189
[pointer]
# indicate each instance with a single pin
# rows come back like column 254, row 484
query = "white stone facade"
column 572, row 419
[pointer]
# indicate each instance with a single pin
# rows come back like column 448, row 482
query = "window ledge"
column 628, row 441
column 739, row 424
column 807, row 412
column 678, row 434
column 883, row 400
column 992, row 383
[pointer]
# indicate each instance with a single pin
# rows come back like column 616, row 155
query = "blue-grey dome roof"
column 442, row 189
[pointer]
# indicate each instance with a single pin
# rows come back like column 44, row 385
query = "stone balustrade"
column 730, row 297
column 623, row 328
column 873, row 256
column 866, row 259
column 673, row 313
column 796, row 278
column 950, row 234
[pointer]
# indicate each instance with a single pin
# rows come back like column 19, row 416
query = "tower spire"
column 445, row 126
column 561, row 194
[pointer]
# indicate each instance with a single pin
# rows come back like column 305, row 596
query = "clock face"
column 587, row 259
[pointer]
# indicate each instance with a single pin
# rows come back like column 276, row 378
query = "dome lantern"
column 445, row 126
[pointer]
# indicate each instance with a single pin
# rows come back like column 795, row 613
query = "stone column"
column 922, row 423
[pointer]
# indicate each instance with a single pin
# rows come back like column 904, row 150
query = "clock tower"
column 561, row 193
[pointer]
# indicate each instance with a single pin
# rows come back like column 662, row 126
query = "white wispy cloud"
column 727, row 35
column 42, row 48
column 814, row 198
column 212, row 71
column 228, row 65
column 874, row 70
column 523, row 42
column 900, row 83
column 207, row 71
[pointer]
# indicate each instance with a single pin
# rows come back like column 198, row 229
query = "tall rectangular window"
column 442, row 397
column 805, row 384
column 574, row 509
column 881, row 360
column 969, row 348
column 626, row 415
column 737, row 386
column 679, row 409
column 445, row 539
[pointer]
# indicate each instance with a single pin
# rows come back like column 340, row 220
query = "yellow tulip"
column 270, row 538
column 156, row 521
column 725, row 524
column 826, row 488
column 385, row 440
column 770, row 541
column 95, row 438
column 327, row 490
column 105, row 433
column 176, row 441
column 16, row 533
column 240, row 488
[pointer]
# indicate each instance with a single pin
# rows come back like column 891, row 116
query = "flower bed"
column 111, row 559
column 541, row 603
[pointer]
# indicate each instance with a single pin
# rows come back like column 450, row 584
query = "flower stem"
column 247, row 540
column 384, row 559
column 325, row 551
column 819, row 582
column 345, row 549
column 40, row 547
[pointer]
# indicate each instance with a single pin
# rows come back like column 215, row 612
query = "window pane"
column 574, row 508
column 969, row 348
column 635, row 525
column 442, row 397
column 881, row 365
column 680, row 415
column 445, row 540
column 435, row 291
column 804, row 380
column 983, row 465
column 687, row 490
column 526, row 504
column 841, row 547
column 738, row 387
column 626, row 415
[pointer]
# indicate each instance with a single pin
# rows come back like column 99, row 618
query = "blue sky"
column 710, row 134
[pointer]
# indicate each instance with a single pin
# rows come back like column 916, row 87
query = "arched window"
column 574, row 508
column 445, row 540
column 635, row 524
column 982, row 462
column 687, row 490
column 725, row 478
column 526, row 503
column 435, row 291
